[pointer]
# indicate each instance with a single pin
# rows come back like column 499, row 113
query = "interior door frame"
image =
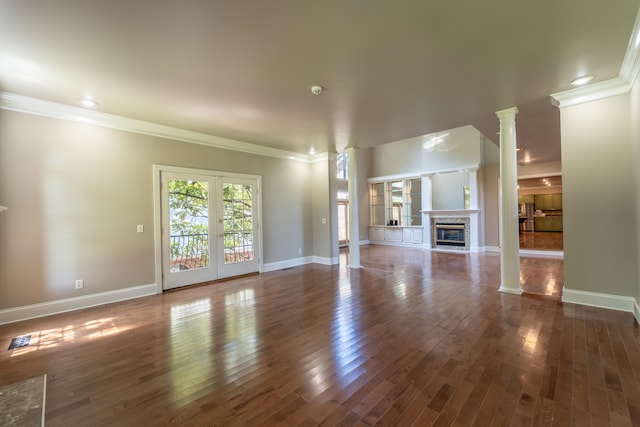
column 157, row 211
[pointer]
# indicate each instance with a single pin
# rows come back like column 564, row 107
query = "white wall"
column 458, row 148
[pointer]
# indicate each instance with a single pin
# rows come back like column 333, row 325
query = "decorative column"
column 354, row 223
column 427, row 207
column 509, row 239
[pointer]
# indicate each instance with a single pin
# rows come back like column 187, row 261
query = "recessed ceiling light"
column 581, row 80
column 89, row 103
column 312, row 151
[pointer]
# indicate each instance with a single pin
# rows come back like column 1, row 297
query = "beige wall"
column 324, row 207
column 447, row 190
column 76, row 192
column 600, row 236
column 635, row 162
column 488, row 181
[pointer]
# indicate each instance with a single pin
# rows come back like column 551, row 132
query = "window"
column 341, row 163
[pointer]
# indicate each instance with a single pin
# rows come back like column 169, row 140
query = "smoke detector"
column 316, row 90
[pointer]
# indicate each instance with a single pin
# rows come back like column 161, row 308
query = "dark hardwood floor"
column 413, row 338
column 542, row 240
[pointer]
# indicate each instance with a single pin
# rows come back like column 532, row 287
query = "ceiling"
column 554, row 181
column 243, row 69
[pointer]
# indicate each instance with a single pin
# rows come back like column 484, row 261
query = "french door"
column 209, row 227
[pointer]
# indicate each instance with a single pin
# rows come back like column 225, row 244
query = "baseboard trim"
column 595, row 299
column 32, row 311
column 279, row 265
column 493, row 249
column 325, row 260
column 541, row 254
column 636, row 312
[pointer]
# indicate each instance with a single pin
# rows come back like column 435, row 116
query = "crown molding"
column 589, row 93
column 620, row 85
column 631, row 63
column 28, row 105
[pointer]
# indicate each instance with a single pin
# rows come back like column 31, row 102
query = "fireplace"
column 450, row 234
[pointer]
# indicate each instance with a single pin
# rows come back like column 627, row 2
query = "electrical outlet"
column 79, row 284
column 300, row 250
column 140, row 228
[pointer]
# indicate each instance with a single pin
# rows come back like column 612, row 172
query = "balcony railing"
column 189, row 251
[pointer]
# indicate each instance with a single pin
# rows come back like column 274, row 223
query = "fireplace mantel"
column 436, row 212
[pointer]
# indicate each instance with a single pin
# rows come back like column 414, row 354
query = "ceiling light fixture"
column 581, row 80
column 89, row 103
column 312, row 151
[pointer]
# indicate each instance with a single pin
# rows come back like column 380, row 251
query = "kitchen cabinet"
column 548, row 202
column 528, row 198
column 548, row 223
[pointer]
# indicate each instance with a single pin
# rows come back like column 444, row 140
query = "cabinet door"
column 376, row 234
column 412, row 235
column 393, row 234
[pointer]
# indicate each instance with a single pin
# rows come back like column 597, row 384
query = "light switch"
column 140, row 228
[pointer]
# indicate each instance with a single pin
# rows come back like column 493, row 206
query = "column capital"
column 506, row 113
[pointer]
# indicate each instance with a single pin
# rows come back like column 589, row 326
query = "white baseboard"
column 17, row 314
column 595, row 299
column 279, row 265
column 495, row 249
column 325, row 260
column 636, row 312
column 541, row 254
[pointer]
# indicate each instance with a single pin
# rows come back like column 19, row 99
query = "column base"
column 510, row 290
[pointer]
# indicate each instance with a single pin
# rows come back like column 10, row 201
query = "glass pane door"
column 238, row 228
column 186, row 230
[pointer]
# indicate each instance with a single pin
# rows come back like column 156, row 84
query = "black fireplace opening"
column 450, row 234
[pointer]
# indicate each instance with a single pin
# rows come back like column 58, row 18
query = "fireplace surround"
column 451, row 233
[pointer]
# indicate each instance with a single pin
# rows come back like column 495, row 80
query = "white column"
column 354, row 223
column 509, row 240
column 473, row 189
column 427, row 206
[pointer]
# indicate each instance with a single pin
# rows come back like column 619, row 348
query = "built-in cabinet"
column 396, row 202
column 395, row 235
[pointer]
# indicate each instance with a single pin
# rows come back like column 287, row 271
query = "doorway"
column 207, row 226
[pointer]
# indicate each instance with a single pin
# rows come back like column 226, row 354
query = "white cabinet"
column 376, row 234
column 412, row 235
column 395, row 235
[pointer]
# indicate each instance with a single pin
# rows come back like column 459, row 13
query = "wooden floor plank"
column 415, row 337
